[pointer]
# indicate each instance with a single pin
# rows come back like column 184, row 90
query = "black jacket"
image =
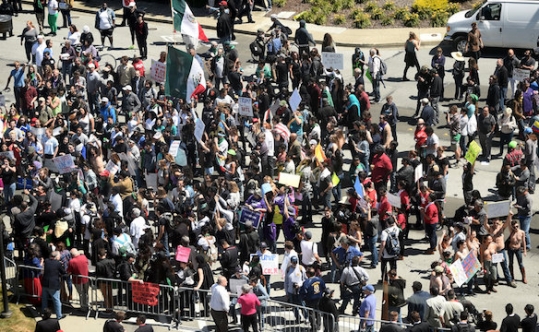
column 47, row 325
column 52, row 272
column 224, row 25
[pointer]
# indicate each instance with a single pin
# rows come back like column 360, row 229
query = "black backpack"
column 256, row 50
column 393, row 247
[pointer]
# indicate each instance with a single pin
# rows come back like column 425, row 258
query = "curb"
column 152, row 18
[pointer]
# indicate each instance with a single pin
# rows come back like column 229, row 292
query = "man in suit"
column 138, row 85
column 47, row 324
column 53, row 271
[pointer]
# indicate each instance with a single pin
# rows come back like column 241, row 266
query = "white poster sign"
column 497, row 209
column 521, row 74
column 158, row 71
column 418, row 172
column 333, row 60
column 174, row 146
column 246, row 106
column 64, row 164
column 273, row 108
column 235, row 285
column 111, row 167
column 497, row 258
column 199, row 129
column 394, row 200
column 269, row 263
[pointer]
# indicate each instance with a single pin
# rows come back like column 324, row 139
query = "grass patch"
column 18, row 322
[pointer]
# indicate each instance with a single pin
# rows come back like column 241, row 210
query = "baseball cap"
column 91, row 65
column 263, row 245
column 104, row 100
column 294, row 259
column 369, row 288
column 527, row 130
column 308, row 235
column 512, row 144
column 438, row 269
column 127, row 88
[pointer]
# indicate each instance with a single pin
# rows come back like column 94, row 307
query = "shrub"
column 453, row 8
column 339, row 19
column 321, row 5
column 348, row 4
column 320, row 19
column 411, row 20
column 355, row 12
column 370, row 6
column 337, row 6
column 400, row 13
column 377, row 13
column 425, row 8
column 362, row 21
column 439, row 18
column 360, row 1
column 386, row 20
column 279, row 3
column 390, row 5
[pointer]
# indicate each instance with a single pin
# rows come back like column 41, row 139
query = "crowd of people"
column 128, row 205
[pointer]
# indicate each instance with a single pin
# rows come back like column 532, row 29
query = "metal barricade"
column 280, row 316
column 11, row 275
column 192, row 304
column 85, row 294
column 351, row 323
column 29, row 284
column 114, row 294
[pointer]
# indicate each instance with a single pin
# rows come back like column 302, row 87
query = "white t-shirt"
column 53, row 7
column 384, row 237
column 432, row 141
column 308, row 250
column 104, row 22
column 138, row 225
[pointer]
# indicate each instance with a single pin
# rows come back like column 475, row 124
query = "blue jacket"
column 312, row 289
column 106, row 112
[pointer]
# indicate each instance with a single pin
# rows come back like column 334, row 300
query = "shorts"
column 106, row 32
column 455, row 139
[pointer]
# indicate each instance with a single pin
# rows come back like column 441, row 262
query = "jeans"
column 224, row 39
column 315, row 319
column 434, row 103
column 296, row 299
column 371, row 241
column 513, row 84
column 249, row 320
column 505, row 267
column 55, row 295
column 9, row 191
column 164, row 241
column 66, row 15
column 525, row 222
column 383, row 265
column 352, row 293
column 326, row 199
column 505, row 139
column 376, row 88
column 82, row 290
column 503, row 96
column 459, row 89
column 430, row 230
column 66, row 69
column 512, row 254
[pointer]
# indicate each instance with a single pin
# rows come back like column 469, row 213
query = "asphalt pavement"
column 403, row 93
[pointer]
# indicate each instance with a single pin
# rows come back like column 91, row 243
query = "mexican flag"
column 185, row 76
column 185, row 22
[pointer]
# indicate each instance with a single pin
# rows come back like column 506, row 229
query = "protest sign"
column 112, row 167
column 459, row 275
column 394, row 200
column 474, row 150
column 289, row 179
column 269, row 263
column 418, row 173
column 497, row 209
column 520, row 74
column 246, row 106
column 182, row 254
column 319, row 153
column 56, row 131
column 253, row 216
column 497, row 258
column 64, row 164
column 235, row 285
column 471, row 265
column 335, row 179
column 295, row 100
column 359, row 187
column 174, row 146
column 333, row 60
column 158, row 71
column 145, row 293
column 38, row 132
column 199, row 129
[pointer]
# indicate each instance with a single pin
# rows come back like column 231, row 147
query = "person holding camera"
column 352, row 279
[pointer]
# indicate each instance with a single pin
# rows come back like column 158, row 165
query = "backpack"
column 126, row 247
column 317, row 68
column 393, row 247
column 383, row 66
column 463, row 327
column 256, row 50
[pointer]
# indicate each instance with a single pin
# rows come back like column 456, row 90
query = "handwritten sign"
column 145, row 293
column 497, row 209
column 458, row 273
column 158, row 71
column 295, row 100
column 174, row 146
column 245, row 106
column 289, row 179
column 497, row 258
column 333, row 60
column 57, row 131
column 253, row 216
column 112, row 167
column 269, row 263
column 418, row 172
column 471, row 265
column 521, row 74
column 199, row 129
column 182, row 254
column 474, row 150
column 394, row 200
column 64, row 164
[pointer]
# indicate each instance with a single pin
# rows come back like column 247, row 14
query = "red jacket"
column 382, row 168
column 420, row 137
column 431, row 214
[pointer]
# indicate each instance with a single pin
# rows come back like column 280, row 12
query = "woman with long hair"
column 411, row 47
column 203, row 281
column 32, row 273
column 328, row 44
column 29, row 37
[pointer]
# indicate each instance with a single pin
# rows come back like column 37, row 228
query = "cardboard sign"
column 394, row 200
column 319, row 153
column 269, row 263
column 521, row 74
column 235, row 285
column 295, row 100
column 64, row 164
column 182, row 254
column 289, row 179
column 497, row 209
column 497, row 258
column 245, row 106
column 418, row 172
column 333, row 60
column 253, row 216
column 474, row 150
column 471, row 265
column 459, row 275
column 112, row 167
column 145, row 293
column 199, row 129
column 158, row 71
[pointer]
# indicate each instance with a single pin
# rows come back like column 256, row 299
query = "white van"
column 503, row 23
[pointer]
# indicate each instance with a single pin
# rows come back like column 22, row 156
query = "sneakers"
column 132, row 47
column 513, row 284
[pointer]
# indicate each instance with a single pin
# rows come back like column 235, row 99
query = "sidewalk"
column 366, row 38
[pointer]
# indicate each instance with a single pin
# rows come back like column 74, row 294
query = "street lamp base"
column 6, row 314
